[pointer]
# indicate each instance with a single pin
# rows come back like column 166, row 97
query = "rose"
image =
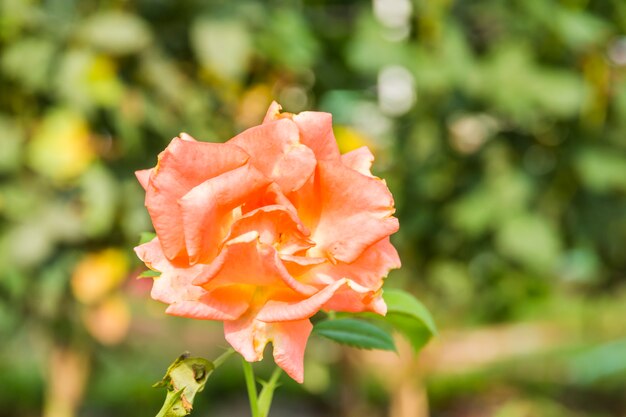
column 265, row 230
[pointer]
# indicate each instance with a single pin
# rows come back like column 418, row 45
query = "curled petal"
column 273, row 112
column 355, row 212
column 360, row 160
column 304, row 261
column 207, row 209
column 368, row 270
column 143, row 176
column 187, row 137
column 300, row 309
column 316, row 132
column 152, row 255
column 308, row 202
column 225, row 303
column 273, row 196
column 247, row 261
column 276, row 151
column 276, row 226
column 175, row 287
column 249, row 336
column 300, row 267
column 351, row 301
column 175, row 282
column 364, row 278
column 183, row 165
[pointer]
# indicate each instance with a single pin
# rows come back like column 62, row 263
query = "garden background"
column 500, row 127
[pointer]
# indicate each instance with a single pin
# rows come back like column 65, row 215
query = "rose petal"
column 308, row 202
column 355, row 212
column 152, row 254
column 276, row 226
column 290, row 340
column 183, row 165
column 300, row 266
column 360, row 160
column 273, row 112
column 274, row 311
column 174, row 286
column 207, row 209
column 303, row 261
column 225, row 303
column 277, row 153
column 273, row 196
column 143, row 176
column 187, row 137
column 350, row 301
column 367, row 270
column 175, row 283
column 249, row 337
column 316, row 132
column 248, row 261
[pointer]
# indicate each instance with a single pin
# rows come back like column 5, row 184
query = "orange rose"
column 265, row 230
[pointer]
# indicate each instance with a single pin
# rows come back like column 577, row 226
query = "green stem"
column 275, row 376
column 267, row 393
column 222, row 358
column 251, row 385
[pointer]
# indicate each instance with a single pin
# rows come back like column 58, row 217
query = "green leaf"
column 173, row 405
column 149, row 274
column 146, row 237
column 356, row 333
column 579, row 29
column 211, row 37
column 532, row 240
column 598, row 362
column 409, row 316
column 12, row 143
column 289, row 41
column 116, row 32
column 100, row 197
column 184, row 378
column 401, row 302
column 602, row 170
column 36, row 54
column 413, row 330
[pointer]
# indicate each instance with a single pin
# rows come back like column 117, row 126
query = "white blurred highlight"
column 396, row 90
column 393, row 14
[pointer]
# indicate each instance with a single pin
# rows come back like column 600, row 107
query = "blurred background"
column 500, row 127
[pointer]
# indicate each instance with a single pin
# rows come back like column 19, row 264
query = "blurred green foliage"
column 500, row 127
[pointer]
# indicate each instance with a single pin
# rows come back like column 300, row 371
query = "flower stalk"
column 248, row 373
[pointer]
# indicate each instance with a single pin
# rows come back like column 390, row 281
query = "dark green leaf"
column 401, row 302
column 415, row 332
column 409, row 316
column 356, row 333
